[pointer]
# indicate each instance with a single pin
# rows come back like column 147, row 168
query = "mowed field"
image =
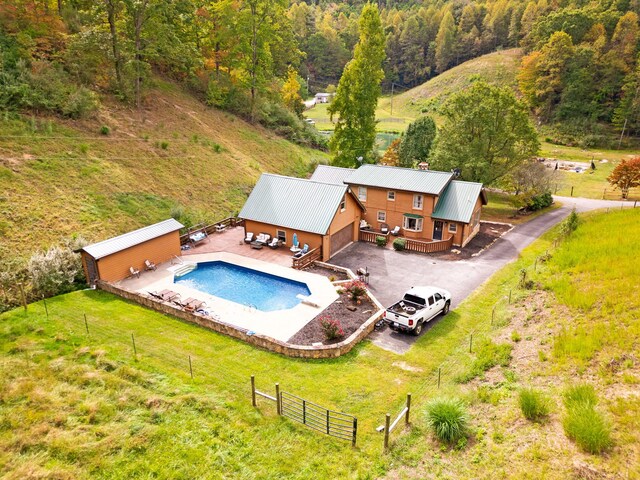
column 62, row 178
column 84, row 405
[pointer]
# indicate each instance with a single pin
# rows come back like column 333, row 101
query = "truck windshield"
column 413, row 299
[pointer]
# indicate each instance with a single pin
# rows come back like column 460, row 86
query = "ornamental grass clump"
column 447, row 418
column 533, row 403
column 583, row 423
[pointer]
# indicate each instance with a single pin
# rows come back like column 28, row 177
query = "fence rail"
column 388, row 427
column 334, row 424
column 307, row 259
column 211, row 228
column 428, row 247
column 369, row 236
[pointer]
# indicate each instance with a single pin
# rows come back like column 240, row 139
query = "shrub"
column 104, row 130
column 54, row 271
column 355, row 289
column 381, row 241
column 533, row 404
column 570, row 224
column 164, row 145
column 587, row 427
column 331, row 328
column 538, row 202
column 582, row 394
column 399, row 244
column 515, row 336
column 448, row 419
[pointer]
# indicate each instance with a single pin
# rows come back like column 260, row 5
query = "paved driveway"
column 393, row 273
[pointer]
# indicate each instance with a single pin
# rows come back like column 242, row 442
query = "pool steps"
column 184, row 269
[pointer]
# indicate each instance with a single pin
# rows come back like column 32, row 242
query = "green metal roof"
column 457, row 201
column 430, row 182
column 329, row 174
column 412, row 215
column 294, row 203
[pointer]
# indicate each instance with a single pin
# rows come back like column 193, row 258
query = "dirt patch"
column 405, row 366
column 489, row 233
column 349, row 320
column 327, row 272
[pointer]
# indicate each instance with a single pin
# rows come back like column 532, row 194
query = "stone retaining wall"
column 258, row 340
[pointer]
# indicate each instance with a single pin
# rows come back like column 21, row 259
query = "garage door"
column 341, row 239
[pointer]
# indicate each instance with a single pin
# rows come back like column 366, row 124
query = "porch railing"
column 370, row 236
column 210, row 228
column 307, row 259
column 428, row 247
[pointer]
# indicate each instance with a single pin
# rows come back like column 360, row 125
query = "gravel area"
column 489, row 233
column 350, row 321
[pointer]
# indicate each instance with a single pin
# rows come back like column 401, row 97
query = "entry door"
column 92, row 270
column 437, row 230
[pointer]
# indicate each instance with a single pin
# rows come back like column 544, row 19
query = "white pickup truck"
column 417, row 307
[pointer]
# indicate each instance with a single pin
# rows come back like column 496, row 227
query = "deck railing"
column 428, row 247
column 370, row 236
column 307, row 259
column 211, row 228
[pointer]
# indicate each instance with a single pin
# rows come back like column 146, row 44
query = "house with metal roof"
column 424, row 204
column 325, row 216
column 111, row 259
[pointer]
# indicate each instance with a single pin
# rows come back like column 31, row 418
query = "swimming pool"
column 244, row 285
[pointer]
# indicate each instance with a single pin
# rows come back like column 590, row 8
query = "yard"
column 80, row 400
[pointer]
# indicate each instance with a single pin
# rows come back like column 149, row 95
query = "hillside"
column 498, row 68
column 82, row 406
column 59, row 178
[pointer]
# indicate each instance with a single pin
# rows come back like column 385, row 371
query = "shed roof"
column 457, row 202
column 130, row 239
column 294, row 203
column 397, row 178
column 329, row 174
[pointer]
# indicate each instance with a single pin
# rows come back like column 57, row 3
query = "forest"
column 259, row 58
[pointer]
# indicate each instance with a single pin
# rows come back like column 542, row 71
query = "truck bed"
column 399, row 310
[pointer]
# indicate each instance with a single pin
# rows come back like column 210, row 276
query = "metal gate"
column 334, row 424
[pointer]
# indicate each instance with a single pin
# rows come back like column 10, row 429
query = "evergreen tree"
column 357, row 95
column 445, row 43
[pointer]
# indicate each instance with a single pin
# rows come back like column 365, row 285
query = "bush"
column 381, row 241
column 533, row 404
column 448, row 419
column 104, row 130
column 331, row 328
column 55, row 271
column 355, row 289
column 164, row 145
column 570, row 224
column 399, row 244
column 587, row 427
column 538, row 202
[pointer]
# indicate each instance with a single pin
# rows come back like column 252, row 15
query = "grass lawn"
column 75, row 405
column 500, row 209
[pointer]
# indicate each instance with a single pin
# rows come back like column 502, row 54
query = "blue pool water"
column 244, row 285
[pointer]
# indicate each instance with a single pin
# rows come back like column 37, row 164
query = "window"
column 391, row 195
column 282, row 236
column 475, row 220
column 453, row 227
column 438, row 297
column 431, row 301
column 343, row 204
column 362, row 194
column 413, row 224
column 382, row 216
column 417, row 201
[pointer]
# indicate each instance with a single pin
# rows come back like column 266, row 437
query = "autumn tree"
column 417, row 141
column 486, row 133
column 445, row 43
column 626, row 175
column 291, row 92
column 357, row 95
column 391, row 156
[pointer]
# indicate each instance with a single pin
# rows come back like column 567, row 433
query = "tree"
column 391, row 156
column 530, row 180
column 357, row 95
column 291, row 93
column 486, row 132
column 626, row 175
column 417, row 141
column 445, row 43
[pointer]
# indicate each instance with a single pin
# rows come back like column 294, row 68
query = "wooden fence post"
column 86, row 324
column 253, row 390
column 535, row 265
column 24, row 298
column 355, row 432
column 190, row 367
column 406, row 417
column 387, row 421
column 135, row 352
column 278, row 404
column 46, row 310
column 509, row 297
column 439, row 377
column 493, row 314
column 470, row 342
column 572, row 191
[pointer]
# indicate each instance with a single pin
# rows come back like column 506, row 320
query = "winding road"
column 393, row 273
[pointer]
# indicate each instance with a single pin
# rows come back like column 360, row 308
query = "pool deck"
column 232, row 241
column 280, row 324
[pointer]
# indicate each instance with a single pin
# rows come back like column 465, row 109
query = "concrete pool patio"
column 279, row 325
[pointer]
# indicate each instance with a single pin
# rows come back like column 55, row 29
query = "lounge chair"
column 195, row 305
column 263, row 238
column 170, row 296
column 275, row 243
column 183, row 303
column 302, row 252
column 249, row 237
column 149, row 265
column 396, row 231
column 134, row 272
column 384, row 228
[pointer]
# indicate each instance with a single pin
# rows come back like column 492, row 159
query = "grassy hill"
column 498, row 68
column 58, row 178
column 81, row 406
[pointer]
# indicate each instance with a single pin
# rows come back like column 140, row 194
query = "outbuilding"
column 111, row 260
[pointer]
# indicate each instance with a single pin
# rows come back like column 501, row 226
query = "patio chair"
column 384, row 228
column 149, row 265
column 249, row 237
column 396, row 231
column 134, row 272
column 302, row 252
column 364, row 225
column 275, row 243
column 263, row 238
column 183, row 303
